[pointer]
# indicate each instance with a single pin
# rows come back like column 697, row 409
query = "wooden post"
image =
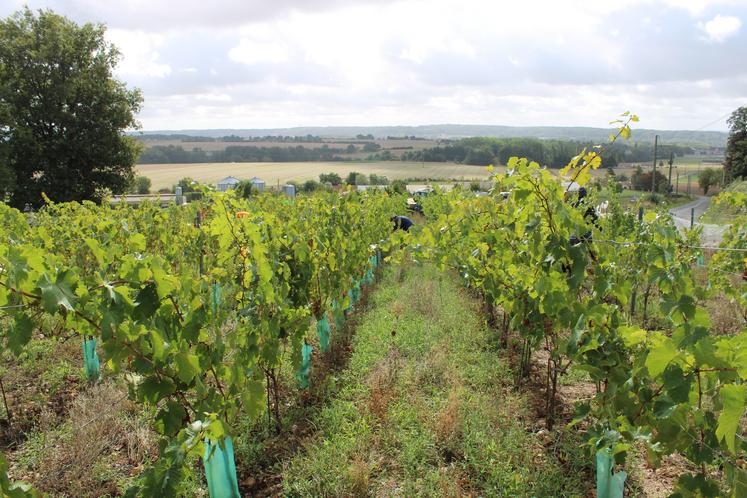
column 653, row 175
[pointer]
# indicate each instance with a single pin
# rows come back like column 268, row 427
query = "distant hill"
column 684, row 137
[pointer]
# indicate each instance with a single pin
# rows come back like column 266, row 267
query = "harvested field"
column 167, row 175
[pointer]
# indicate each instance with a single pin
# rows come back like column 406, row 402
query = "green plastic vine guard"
column 338, row 315
column 368, row 278
column 220, row 469
column 302, row 374
column 609, row 485
column 91, row 359
column 356, row 291
column 322, row 329
column 700, row 261
column 349, row 309
column 216, row 298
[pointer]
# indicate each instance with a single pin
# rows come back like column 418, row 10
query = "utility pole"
column 678, row 183
column 688, row 184
column 671, row 162
column 653, row 175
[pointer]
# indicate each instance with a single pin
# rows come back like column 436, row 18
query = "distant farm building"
column 257, row 184
column 227, row 183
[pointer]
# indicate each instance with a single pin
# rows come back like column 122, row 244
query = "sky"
column 678, row 64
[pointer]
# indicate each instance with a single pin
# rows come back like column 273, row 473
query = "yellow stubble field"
column 167, row 175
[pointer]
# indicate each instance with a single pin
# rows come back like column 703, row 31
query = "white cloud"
column 253, row 52
column 695, row 7
column 213, row 97
column 139, row 54
column 720, row 28
column 253, row 63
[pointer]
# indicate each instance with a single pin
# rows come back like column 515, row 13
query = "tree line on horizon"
column 477, row 151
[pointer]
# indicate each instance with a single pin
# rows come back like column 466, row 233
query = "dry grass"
column 726, row 317
column 381, row 383
column 102, row 439
column 448, row 427
column 167, row 175
column 359, row 473
column 423, row 299
column 434, row 369
column 658, row 482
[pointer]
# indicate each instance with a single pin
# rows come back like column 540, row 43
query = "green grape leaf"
column 677, row 384
column 739, row 482
column 152, row 389
column 632, row 336
column 253, row 398
column 96, row 250
column 689, row 485
column 146, row 303
column 158, row 345
column 664, row 407
column 137, row 242
column 733, row 399
column 20, row 333
column 661, row 353
column 191, row 330
column 187, row 366
column 170, row 418
column 57, row 295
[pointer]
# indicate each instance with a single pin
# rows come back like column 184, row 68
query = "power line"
column 717, row 119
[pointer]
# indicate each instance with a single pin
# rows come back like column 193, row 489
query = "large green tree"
column 735, row 161
column 708, row 178
column 62, row 113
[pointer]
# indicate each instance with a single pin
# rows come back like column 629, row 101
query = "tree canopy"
column 735, row 161
column 62, row 113
column 708, row 178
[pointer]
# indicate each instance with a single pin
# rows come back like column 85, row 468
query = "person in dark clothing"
column 401, row 223
column 590, row 215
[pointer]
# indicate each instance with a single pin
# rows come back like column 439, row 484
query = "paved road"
column 712, row 234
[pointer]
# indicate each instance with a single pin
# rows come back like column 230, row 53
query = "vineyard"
column 199, row 309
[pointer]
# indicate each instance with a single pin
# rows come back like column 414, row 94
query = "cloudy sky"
column 678, row 64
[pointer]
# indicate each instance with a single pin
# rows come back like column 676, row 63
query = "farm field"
column 167, row 175
column 684, row 168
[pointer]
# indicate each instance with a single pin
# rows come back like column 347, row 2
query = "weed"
column 448, row 430
column 381, row 383
column 84, row 457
